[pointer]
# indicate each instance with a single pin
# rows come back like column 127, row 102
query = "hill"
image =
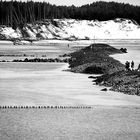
column 72, row 29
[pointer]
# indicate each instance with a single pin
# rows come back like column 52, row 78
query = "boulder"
column 105, row 89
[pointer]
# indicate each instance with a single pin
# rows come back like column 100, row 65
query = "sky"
column 82, row 2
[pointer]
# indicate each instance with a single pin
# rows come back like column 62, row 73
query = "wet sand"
column 98, row 123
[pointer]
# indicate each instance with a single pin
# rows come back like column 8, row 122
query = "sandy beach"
column 70, row 70
column 48, row 84
column 113, row 115
column 98, row 123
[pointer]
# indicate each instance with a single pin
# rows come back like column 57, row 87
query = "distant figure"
column 132, row 65
column 68, row 45
column 127, row 65
column 139, row 67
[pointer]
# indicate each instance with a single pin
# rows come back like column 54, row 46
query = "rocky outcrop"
column 95, row 59
column 127, row 82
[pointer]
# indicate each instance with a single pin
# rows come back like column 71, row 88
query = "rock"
column 124, row 50
column 92, row 77
column 105, row 89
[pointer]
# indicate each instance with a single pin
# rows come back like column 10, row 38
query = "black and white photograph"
column 69, row 70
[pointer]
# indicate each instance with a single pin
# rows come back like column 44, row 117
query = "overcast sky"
column 82, row 2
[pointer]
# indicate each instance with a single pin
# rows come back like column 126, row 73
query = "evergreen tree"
column 15, row 13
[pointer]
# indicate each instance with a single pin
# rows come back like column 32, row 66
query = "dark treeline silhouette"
column 17, row 13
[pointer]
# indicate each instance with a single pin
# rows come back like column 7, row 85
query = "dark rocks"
column 127, row 82
column 124, row 50
column 45, row 107
column 64, row 55
column 105, row 89
column 43, row 60
column 95, row 60
column 92, row 77
column 94, row 69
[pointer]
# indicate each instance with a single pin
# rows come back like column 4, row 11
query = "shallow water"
column 133, row 49
column 47, row 84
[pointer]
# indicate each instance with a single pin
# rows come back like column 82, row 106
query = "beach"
column 100, row 122
column 47, row 84
column 112, row 115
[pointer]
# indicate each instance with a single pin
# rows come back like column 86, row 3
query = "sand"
column 98, row 123
column 113, row 116
column 46, row 84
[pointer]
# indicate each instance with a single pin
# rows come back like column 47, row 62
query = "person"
column 139, row 67
column 127, row 65
column 132, row 65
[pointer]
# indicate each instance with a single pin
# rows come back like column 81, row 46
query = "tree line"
column 18, row 13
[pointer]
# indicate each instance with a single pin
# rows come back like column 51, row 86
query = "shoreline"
column 96, row 59
column 94, row 94
column 72, row 89
column 65, row 40
column 101, row 67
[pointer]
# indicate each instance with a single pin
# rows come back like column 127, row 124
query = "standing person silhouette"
column 139, row 67
column 132, row 65
column 127, row 65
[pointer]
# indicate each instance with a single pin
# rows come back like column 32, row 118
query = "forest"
column 18, row 13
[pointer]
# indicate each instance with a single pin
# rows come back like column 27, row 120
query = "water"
column 133, row 49
column 47, row 84
column 21, row 52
